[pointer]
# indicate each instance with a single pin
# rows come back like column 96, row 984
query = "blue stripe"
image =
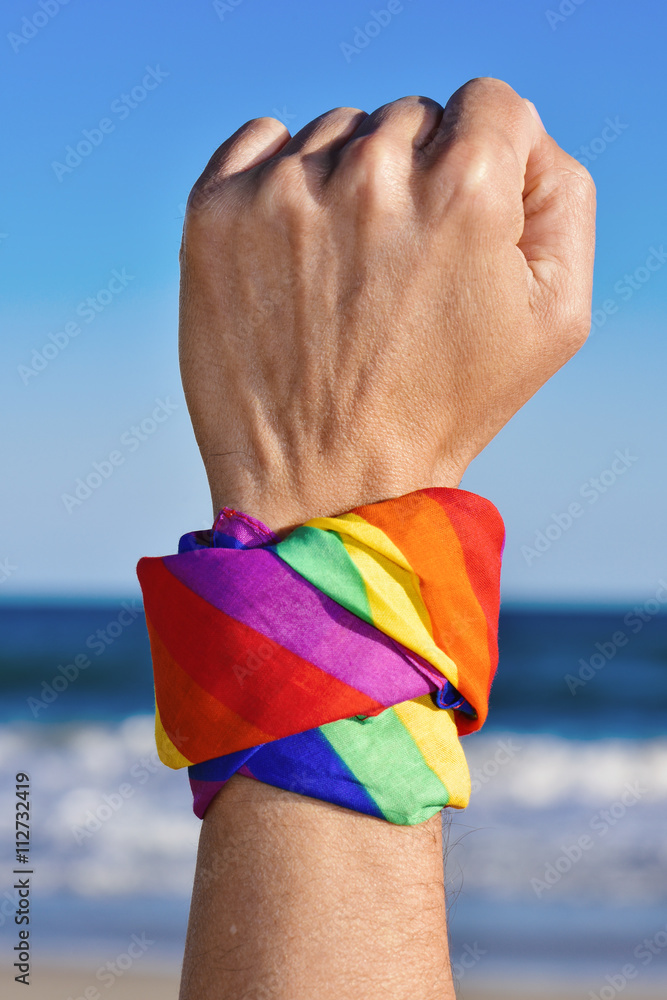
column 306, row 763
column 221, row 768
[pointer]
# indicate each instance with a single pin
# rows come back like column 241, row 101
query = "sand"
column 50, row 983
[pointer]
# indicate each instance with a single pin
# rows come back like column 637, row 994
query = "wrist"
column 284, row 501
column 316, row 899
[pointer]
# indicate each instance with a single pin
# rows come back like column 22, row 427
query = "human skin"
column 363, row 307
column 297, row 899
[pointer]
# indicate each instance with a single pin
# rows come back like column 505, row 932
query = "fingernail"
column 533, row 111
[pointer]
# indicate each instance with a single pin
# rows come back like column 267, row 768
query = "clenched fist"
column 364, row 305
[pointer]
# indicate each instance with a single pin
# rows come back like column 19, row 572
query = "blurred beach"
column 54, row 984
column 555, row 873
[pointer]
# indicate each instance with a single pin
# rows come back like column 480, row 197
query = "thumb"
column 558, row 239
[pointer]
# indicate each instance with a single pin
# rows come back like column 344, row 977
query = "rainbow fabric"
column 342, row 662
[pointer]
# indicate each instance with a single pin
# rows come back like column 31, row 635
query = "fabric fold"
column 343, row 661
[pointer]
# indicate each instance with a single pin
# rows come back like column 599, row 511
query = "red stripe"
column 481, row 532
column 281, row 695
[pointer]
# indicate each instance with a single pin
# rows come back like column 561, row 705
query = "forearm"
column 297, row 899
column 363, row 307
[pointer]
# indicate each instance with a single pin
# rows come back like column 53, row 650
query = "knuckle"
column 263, row 122
column 364, row 161
column 342, row 113
column 201, row 196
column 491, row 84
column 579, row 179
column 563, row 314
column 210, row 197
column 252, row 132
column 572, row 186
column 227, row 165
column 282, row 188
column 404, row 113
column 572, row 319
column 476, row 166
column 414, row 102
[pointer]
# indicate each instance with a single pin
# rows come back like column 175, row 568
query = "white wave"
column 108, row 818
column 533, row 798
column 563, row 820
column 537, row 772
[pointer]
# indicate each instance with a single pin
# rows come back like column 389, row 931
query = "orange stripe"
column 420, row 528
column 481, row 532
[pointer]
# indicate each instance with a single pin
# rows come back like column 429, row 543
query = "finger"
column 326, row 134
column 494, row 162
column 407, row 122
column 256, row 141
column 479, row 154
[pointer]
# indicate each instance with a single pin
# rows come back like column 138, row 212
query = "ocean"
column 559, row 863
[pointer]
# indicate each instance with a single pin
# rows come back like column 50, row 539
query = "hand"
column 366, row 304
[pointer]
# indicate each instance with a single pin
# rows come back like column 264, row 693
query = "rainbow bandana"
column 342, row 662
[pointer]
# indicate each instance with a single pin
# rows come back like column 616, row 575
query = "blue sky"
column 107, row 229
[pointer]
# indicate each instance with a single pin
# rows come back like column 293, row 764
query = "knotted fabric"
column 342, row 662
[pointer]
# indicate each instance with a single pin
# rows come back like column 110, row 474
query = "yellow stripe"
column 357, row 527
column 392, row 588
column 166, row 750
column 434, row 731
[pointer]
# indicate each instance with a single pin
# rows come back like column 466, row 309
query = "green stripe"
column 385, row 759
column 321, row 558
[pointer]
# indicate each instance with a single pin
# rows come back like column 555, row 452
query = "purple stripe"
column 203, row 793
column 257, row 588
column 244, row 528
